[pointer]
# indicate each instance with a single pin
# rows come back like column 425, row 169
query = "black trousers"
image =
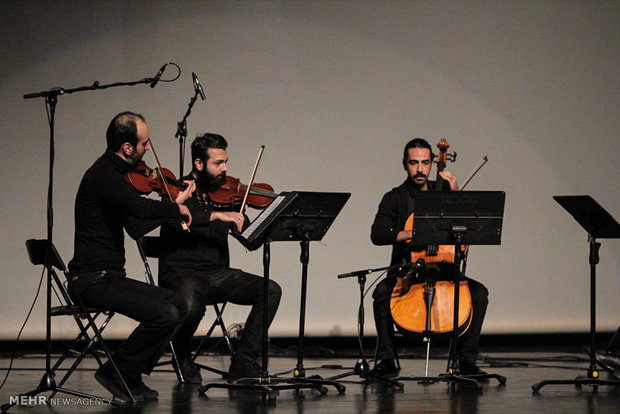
column 160, row 312
column 467, row 343
column 200, row 288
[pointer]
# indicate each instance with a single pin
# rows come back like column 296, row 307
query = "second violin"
column 231, row 193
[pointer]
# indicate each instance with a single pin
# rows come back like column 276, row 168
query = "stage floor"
column 521, row 370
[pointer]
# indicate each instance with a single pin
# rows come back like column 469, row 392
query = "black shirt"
column 104, row 205
column 395, row 208
column 204, row 247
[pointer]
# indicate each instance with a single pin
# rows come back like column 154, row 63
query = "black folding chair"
column 151, row 246
column 41, row 252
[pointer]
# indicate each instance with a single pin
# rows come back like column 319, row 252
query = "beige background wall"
column 334, row 90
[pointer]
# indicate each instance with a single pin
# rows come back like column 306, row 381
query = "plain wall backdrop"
column 334, row 89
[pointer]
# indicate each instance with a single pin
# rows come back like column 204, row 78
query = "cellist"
column 388, row 229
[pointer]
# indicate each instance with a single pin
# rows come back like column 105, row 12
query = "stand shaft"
column 593, row 259
column 304, row 258
column 266, row 262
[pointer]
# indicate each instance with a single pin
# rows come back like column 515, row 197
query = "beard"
column 417, row 184
column 209, row 182
column 134, row 159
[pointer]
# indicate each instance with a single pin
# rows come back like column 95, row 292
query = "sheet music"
column 262, row 216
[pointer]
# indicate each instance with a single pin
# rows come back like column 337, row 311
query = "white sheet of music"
column 262, row 216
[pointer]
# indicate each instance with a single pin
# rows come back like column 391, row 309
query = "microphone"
column 158, row 76
column 414, row 266
column 355, row 274
column 198, row 87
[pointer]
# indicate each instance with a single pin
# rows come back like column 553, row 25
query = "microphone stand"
column 362, row 368
column 181, row 133
column 48, row 382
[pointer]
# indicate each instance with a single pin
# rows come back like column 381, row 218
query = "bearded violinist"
column 388, row 229
column 197, row 264
column 105, row 205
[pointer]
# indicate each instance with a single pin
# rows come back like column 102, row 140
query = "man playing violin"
column 388, row 229
column 106, row 205
column 197, row 264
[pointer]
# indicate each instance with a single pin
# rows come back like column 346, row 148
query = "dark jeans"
column 200, row 288
column 467, row 343
column 160, row 312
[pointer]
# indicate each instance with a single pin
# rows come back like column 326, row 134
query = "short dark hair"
column 416, row 143
column 123, row 129
column 202, row 143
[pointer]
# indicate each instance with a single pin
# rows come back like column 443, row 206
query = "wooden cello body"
column 423, row 306
column 408, row 307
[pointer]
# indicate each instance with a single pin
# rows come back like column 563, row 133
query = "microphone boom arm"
column 95, row 86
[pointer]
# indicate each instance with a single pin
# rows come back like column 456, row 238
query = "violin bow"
column 484, row 161
column 247, row 190
column 163, row 179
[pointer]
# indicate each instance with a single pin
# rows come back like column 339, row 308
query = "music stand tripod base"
column 597, row 222
column 269, row 387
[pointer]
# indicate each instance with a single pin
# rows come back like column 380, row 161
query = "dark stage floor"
column 514, row 397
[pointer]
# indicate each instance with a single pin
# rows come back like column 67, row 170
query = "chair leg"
column 89, row 348
column 449, row 357
column 175, row 364
column 377, row 354
column 219, row 321
column 203, row 339
column 74, row 366
column 81, row 355
column 376, row 351
column 109, row 355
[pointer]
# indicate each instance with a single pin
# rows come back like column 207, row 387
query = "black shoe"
column 140, row 390
column 609, row 361
column 240, row 368
column 191, row 373
column 106, row 376
column 386, row 368
column 469, row 368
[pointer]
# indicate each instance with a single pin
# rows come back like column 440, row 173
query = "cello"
column 413, row 296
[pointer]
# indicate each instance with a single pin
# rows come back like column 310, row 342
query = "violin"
column 410, row 300
column 162, row 181
column 232, row 192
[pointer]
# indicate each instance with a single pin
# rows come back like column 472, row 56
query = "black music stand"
column 295, row 216
column 597, row 222
column 458, row 218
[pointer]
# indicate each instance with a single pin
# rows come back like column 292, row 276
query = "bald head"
column 123, row 128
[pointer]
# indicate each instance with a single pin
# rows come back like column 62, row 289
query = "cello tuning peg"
column 451, row 156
